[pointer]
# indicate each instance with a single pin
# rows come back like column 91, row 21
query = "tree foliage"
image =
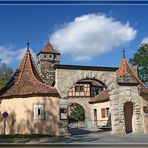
column 141, row 59
column 76, row 113
column 5, row 74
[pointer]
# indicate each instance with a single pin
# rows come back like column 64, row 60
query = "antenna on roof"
column 124, row 53
column 28, row 44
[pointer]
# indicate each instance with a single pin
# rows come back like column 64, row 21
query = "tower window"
column 50, row 56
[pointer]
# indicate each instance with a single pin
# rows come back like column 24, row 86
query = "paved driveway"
column 84, row 135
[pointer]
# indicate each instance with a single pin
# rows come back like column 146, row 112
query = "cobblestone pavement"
column 84, row 135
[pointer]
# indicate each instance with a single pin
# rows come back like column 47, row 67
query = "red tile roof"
column 125, row 70
column 48, row 49
column 26, row 81
column 101, row 97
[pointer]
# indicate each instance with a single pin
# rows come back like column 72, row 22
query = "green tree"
column 76, row 112
column 5, row 74
column 141, row 59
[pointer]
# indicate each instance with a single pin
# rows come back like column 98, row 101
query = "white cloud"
column 89, row 36
column 145, row 40
column 8, row 54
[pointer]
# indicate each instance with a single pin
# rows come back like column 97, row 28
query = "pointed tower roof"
column 48, row 49
column 26, row 81
column 124, row 69
column 126, row 72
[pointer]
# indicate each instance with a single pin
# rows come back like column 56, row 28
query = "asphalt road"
column 84, row 135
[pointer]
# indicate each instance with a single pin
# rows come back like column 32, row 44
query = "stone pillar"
column 117, row 116
column 63, row 125
column 138, row 126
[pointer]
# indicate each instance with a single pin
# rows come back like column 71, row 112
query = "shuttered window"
column 103, row 112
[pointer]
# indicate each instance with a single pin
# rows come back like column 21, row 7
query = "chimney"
column 135, row 70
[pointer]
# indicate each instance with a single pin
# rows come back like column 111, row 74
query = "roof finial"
column 124, row 53
column 28, row 45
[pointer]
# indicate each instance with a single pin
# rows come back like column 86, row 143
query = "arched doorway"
column 128, row 114
column 76, row 114
column 82, row 93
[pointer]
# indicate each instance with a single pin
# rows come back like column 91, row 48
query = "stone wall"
column 144, row 103
column 46, row 72
column 117, row 110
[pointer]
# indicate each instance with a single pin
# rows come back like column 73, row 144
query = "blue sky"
column 60, row 22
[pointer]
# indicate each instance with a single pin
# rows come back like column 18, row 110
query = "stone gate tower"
column 47, row 58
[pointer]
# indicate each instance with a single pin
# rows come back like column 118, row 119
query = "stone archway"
column 128, row 117
column 66, row 78
column 76, row 114
column 85, row 106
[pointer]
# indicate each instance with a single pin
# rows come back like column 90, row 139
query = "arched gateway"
column 118, row 87
column 68, row 76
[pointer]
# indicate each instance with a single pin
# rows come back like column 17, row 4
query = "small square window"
column 77, row 88
column 38, row 111
column 50, row 56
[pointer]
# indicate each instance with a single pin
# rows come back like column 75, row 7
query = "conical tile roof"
column 48, row 49
column 26, row 81
column 126, row 71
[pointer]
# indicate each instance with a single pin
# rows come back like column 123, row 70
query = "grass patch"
column 25, row 136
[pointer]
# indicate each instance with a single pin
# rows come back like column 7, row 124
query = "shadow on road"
column 83, row 131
